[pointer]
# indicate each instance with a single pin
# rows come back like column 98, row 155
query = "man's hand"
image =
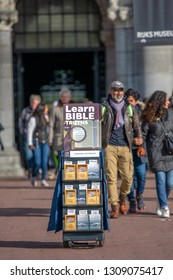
column 141, row 152
column 137, row 141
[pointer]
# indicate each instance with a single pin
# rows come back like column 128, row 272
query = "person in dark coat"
column 140, row 163
column 160, row 163
column 56, row 125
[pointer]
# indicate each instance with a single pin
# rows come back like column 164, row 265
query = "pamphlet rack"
column 82, row 199
column 79, row 205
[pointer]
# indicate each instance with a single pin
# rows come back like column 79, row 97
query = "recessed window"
column 69, row 23
column 56, row 22
column 31, row 40
column 81, row 22
column 43, row 40
column 30, row 23
column 56, row 41
column 69, row 40
column 76, row 24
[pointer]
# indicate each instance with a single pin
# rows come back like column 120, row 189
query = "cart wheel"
column 101, row 243
column 66, row 244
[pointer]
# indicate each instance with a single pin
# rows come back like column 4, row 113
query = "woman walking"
column 38, row 131
column 155, row 116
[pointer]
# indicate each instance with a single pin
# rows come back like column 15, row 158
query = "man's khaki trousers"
column 118, row 159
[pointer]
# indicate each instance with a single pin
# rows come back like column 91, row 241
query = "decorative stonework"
column 8, row 14
column 124, row 13
column 119, row 10
column 107, row 29
column 7, row 4
column 113, row 9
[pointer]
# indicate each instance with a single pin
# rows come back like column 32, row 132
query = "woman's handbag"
column 168, row 141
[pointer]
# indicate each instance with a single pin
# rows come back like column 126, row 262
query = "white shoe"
column 165, row 212
column 159, row 211
column 34, row 182
column 44, row 183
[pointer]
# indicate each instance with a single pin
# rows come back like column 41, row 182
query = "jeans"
column 41, row 155
column 164, row 184
column 28, row 154
column 139, row 177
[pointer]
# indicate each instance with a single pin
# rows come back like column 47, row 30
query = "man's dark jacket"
column 131, row 123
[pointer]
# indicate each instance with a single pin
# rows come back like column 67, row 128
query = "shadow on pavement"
column 45, row 245
column 26, row 188
column 16, row 212
column 31, row 244
column 13, row 179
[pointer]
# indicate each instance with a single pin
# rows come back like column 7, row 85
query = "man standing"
column 56, row 122
column 120, row 124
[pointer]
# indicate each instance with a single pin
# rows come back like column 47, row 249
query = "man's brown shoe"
column 123, row 207
column 114, row 212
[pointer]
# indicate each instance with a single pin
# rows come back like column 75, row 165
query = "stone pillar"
column 145, row 68
column 121, row 15
column 9, row 158
column 109, row 57
column 107, row 37
column 156, row 72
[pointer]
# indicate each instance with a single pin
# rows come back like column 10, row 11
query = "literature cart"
column 79, row 205
column 82, row 198
column 82, row 173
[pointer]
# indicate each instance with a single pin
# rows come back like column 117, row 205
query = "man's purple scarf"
column 117, row 107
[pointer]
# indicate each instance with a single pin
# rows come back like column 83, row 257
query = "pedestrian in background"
column 155, row 115
column 38, row 131
column 23, row 128
column 120, row 124
column 135, row 197
column 56, row 123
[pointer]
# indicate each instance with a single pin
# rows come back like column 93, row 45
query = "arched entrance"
column 58, row 43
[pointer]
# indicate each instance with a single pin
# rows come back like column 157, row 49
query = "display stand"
column 79, row 206
column 82, row 199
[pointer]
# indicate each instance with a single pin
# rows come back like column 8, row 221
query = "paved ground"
column 24, row 215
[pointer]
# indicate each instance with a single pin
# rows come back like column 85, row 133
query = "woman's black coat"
column 154, row 135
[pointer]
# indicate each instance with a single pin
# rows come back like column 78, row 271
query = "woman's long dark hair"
column 155, row 107
column 39, row 112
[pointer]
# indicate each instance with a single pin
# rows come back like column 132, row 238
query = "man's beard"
column 117, row 100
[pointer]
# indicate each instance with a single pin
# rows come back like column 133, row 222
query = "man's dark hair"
column 132, row 92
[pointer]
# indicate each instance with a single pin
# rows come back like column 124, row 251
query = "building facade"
column 82, row 44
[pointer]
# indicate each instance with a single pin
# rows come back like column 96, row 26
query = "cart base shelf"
column 87, row 239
